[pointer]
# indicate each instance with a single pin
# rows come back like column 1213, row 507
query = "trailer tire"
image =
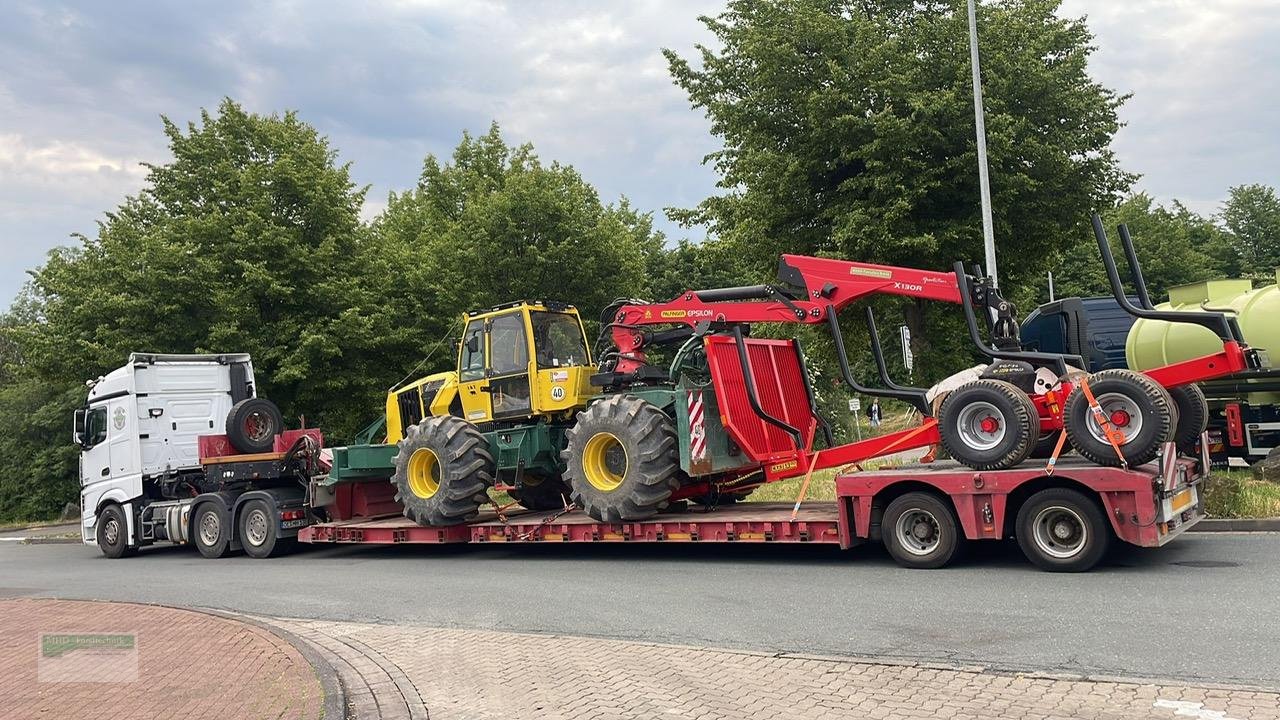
column 988, row 425
column 921, row 531
column 1063, row 530
column 252, row 425
column 443, row 471
column 259, row 531
column 622, row 459
column 1193, row 416
column 211, row 531
column 113, row 532
column 542, row 494
column 1135, row 404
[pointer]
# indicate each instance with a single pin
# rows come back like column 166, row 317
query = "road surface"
column 1202, row 608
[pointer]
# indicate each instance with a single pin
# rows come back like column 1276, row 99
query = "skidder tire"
column 920, row 531
column 622, row 458
column 443, row 471
column 252, row 425
column 539, row 493
column 1132, row 403
column 1063, row 530
column 988, row 425
column 1193, row 416
column 113, row 532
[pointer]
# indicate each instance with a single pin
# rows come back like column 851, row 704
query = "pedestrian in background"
column 873, row 413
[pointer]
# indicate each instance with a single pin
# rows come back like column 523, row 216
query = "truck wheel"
column 260, row 531
column 1045, row 445
column 1134, row 404
column 1063, row 530
column 988, row 425
column 622, row 458
column 920, row 531
column 539, row 493
column 443, row 471
column 113, row 532
column 1193, row 416
column 253, row 424
column 211, row 531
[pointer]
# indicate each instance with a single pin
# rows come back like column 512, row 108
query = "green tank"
column 1155, row 343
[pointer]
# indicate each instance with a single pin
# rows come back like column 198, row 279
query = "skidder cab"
column 522, row 373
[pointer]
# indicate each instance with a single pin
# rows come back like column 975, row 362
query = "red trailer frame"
column 1146, row 506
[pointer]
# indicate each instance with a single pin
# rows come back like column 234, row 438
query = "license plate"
column 1182, row 500
column 294, row 523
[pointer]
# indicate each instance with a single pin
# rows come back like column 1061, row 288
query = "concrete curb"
column 1237, row 525
column 335, row 694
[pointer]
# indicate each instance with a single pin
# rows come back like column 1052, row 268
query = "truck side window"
column 557, row 339
column 471, row 366
column 96, row 426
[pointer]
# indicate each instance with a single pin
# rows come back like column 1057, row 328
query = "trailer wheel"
column 988, row 424
column 259, row 530
column 540, row 493
column 253, row 424
column 1193, row 416
column 1045, row 445
column 113, row 532
column 1063, row 530
column 1134, row 404
column 920, row 531
column 622, row 459
column 211, row 531
column 443, row 471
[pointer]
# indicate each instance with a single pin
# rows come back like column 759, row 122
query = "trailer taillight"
column 292, row 514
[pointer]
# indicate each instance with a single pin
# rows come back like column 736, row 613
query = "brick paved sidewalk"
column 480, row 674
column 75, row 659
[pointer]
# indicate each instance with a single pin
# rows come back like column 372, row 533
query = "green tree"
column 1175, row 246
column 1252, row 214
column 848, row 130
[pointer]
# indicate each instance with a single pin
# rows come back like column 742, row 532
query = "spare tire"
column 1132, row 403
column 253, row 424
column 988, row 424
column 1193, row 416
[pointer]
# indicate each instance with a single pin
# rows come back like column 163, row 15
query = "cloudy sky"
column 82, row 88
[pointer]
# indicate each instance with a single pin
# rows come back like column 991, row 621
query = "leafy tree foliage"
column 1252, row 214
column 848, row 129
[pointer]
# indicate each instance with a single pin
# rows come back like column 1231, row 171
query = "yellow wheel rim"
column 424, row 473
column 604, row 461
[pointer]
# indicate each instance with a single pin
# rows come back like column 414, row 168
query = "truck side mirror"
column 473, row 344
column 77, row 428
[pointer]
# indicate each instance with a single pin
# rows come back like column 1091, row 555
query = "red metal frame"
column 210, row 447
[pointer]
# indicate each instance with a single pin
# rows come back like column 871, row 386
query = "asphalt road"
column 1202, row 608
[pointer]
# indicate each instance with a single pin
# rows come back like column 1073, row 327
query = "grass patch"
column 1236, row 494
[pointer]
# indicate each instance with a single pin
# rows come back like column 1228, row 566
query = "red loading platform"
column 1146, row 506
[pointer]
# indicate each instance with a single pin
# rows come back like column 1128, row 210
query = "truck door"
column 473, row 380
column 122, row 436
column 95, row 457
column 509, row 366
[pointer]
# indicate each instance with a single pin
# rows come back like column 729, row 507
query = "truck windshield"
column 557, row 338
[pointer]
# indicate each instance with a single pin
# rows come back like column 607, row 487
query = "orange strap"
column 1057, row 450
column 804, row 487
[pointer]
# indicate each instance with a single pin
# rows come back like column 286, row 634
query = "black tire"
column 1063, row 530
column 443, row 471
column 622, row 459
column 1045, row 445
column 252, row 425
column 1193, row 416
column 113, row 532
column 1135, row 403
column 988, row 424
column 211, row 530
column 259, row 530
column 539, row 493
column 921, row 531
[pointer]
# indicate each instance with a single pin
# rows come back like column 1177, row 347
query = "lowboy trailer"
column 1064, row 519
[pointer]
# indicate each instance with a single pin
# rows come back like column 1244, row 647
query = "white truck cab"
column 141, row 476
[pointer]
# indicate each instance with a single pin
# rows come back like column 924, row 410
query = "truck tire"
column 1193, row 416
column 988, row 425
column 211, row 531
column 539, row 493
column 1134, row 404
column 253, row 424
column 622, row 459
column 443, row 471
column 1062, row 530
column 259, row 530
column 920, row 531
column 113, row 532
